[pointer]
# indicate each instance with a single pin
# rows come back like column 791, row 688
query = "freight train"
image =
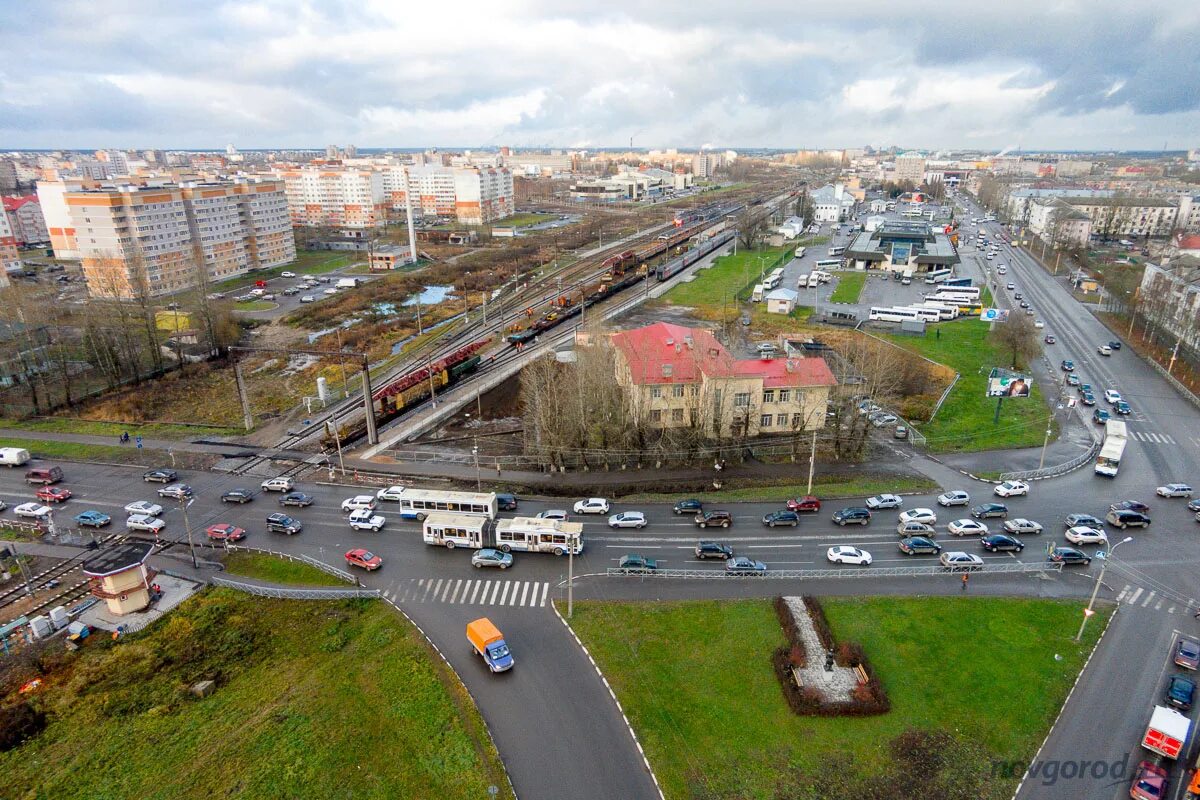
column 411, row 389
column 675, row 266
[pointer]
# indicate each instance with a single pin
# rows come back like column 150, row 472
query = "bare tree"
column 1018, row 337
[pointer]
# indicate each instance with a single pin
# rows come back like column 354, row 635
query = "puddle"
column 431, row 295
column 312, row 337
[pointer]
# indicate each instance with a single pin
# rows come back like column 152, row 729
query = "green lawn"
column 278, row 570
column 256, row 305
column 964, row 422
column 696, row 681
column 152, row 430
column 729, row 279
column 314, row 701
column 127, row 454
column 311, row 262
column 521, row 220
column 849, row 287
column 826, row 490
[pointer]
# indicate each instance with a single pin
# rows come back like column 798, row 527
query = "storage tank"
column 323, row 390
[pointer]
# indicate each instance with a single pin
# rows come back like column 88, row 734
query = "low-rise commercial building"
column 902, row 247
column 387, row 257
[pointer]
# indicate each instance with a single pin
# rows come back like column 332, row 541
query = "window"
column 796, row 420
column 741, row 400
column 769, row 396
column 656, row 392
column 785, row 395
column 677, row 415
column 656, row 416
column 781, row 419
column 765, row 421
column 677, row 391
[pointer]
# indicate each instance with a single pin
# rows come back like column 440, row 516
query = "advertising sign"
column 994, row 314
column 1003, row 383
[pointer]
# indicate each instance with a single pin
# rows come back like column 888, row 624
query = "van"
column 489, row 643
column 14, row 456
column 757, row 295
column 44, row 475
column 347, row 283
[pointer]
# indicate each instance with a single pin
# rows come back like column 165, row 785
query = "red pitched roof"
column 778, row 372
column 1189, row 242
column 13, row 203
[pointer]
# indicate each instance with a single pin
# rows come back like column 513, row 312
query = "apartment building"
column 1128, row 216
column 1057, row 221
column 8, row 175
column 335, row 196
column 470, row 195
column 681, row 377
column 57, row 216
column 25, row 219
column 159, row 234
column 9, row 257
column 909, row 167
column 1169, row 303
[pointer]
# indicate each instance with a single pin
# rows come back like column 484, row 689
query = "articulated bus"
column 420, row 503
column 527, row 534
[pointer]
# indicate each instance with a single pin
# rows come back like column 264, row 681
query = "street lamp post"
column 1099, row 579
column 187, row 526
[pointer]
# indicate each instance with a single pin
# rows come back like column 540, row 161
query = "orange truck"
column 489, row 643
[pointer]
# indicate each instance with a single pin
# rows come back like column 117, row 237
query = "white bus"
column 828, row 263
column 800, row 251
column 944, row 311
column 938, row 275
column 773, row 280
column 455, row 530
column 539, row 535
column 420, row 503
column 912, row 213
column 894, row 315
column 967, row 292
column 927, row 314
column 837, row 251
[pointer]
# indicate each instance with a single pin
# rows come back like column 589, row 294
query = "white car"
column 968, row 527
column 3, row 505
column 287, row 274
column 884, row 501
column 359, row 503
column 1104, row 350
column 144, row 507
column 922, row 515
column 955, row 498
column 145, row 522
column 552, row 514
column 278, row 485
column 390, row 493
column 1112, row 396
column 1174, row 490
column 1082, row 534
column 32, row 510
column 845, row 554
column 1022, row 526
column 330, row 290
column 1012, row 489
column 593, row 505
column 1039, row 324
column 627, row 519
column 363, row 520
column 307, row 298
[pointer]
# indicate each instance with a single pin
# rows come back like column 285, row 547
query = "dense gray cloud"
column 270, row 73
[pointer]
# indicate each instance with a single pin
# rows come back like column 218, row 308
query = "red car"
column 1149, row 782
column 53, row 494
column 363, row 558
column 806, row 503
column 224, row 532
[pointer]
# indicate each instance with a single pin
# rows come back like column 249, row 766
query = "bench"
column 861, row 674
column 795, row 671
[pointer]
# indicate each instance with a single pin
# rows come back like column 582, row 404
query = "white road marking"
column 525, row 592
column 1133, row 597
column 1123, row 592
column 504, row 593
column 479, row 585
column 1149, row 597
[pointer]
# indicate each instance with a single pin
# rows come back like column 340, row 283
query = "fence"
column 945, row 394
column 867, row 572
column 303, row 559
column 294, row 593
column 1059, row 469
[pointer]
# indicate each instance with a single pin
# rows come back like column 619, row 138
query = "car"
column 881, row 501
column 1112, row 396
column 365, row 520
column 689, row 506
column 593, row 505
column 1114, row 345
column 637, row 563
column 914, row 545
column 144, row 507
column 1082, row 534
column 160, row 476
column 847, row 554
column 1067, row 365
column 1026, row 306
column 307, row 298
column 1187, row 653
column 359, row 557
column 1022, row 526
column 1016, row 295
column 177, row 491
column 1181, row 690
column 1001, row 542
column 775, row 518
column 954, row 498
column 705, row 550
column 987, row 510
column 32, row 510
column 332, row 290
column 1130, row 505
column 507, row 502
column 393, row 493
column 53, row 494
column 287, row 274
column 1011, row 489
column 224, row 532
column 237, row 496
column 1068, row 556
column 1126, row 519
column 280, row 484
column 92, row 519
column 1011, row 286
column 924, row 515
column 291, row 291
column 804, row 504
column 741, row 565
column 958, row 561
column 1149, row 782
column 1194, row 505
column 914, row 529
column 1086, row 388
column 856, row 515
column 296, row 499
column 883, row 419
column 1104, row 350
column 282, row 523
column 1100, row 416
column 359, row 502
column 1082, row 519
column 627, row 519
column 1088, row 399
column 1039, row 325
column 1123, row 408
column 968, row 527
column 488, row 557
column 901, row 432
column 144, row 522
column 1073, row 379
column 1173, row 490
column 555, row 514
column 713, row 519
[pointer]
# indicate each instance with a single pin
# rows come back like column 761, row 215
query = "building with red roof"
column 25, row 218
column 683, row 377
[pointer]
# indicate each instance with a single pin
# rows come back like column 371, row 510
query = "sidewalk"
column 227, row 450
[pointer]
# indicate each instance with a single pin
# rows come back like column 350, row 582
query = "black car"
column 781, row 518
column 999, row 542
column 1126, row 519
column 506, row 502
column 1130, row 505
column 1114, row 344
column 713, row 550
column 1194, row 505
column 160, row 476
column 282, row 523
column 1181, row 690
column 296, row 499
column 691, row 506
column 237, row 496
column 913, row 545
column 857, row 516
column 1088, row 399
column 714, row 519
column 986, row 510
column 1068, row 555
column 1075, row 520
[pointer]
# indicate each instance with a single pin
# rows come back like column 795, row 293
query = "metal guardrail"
column 1058, row 469
column 303, row 559
column 844, row 572
column 298, row 593
column 937, row 406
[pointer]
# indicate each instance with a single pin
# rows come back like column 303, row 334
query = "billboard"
column 1003, row 383
column 994, row 314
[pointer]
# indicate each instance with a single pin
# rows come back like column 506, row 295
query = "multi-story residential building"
column 340, row 197
column 1057, row 221
column 470, row 195
column 25, row 219
column 9, row 257
column 1017, row 202
column 61, row 229
column 8, row 175
column 1169, row 303
column 1070, row 168
column 1127, row 216
column 1188, row 219
column 680, row 377
column 910, row 167
column 153, row 238
column 705, row 165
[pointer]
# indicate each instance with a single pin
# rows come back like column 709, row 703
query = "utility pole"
column 342, row 363
column 369, row 403
column 812, row 460
column 1095, row 590
column 475, row 455
column 243, row 395
column 570, row 577
column 1133, row 313
column 331, row 426
column 1046, row 441
column 183, row 506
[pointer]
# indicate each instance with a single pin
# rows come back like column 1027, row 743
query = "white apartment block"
column 1127, row 216
column 335, row 196
column 9, row 257
column 25, row 219
column 468, row 195
column 52, row 199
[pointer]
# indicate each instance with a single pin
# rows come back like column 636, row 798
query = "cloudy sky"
column 1054, row 74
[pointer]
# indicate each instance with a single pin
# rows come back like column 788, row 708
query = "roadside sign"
column 1087, row 612
column 139, row 442
column 1101, row 555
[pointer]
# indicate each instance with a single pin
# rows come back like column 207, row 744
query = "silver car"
column 955, row 498
column 487, row 557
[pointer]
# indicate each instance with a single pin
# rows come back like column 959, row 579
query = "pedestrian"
column 937, row 333
column 964, row 581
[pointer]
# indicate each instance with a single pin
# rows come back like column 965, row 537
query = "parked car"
column 1181, row 691
column 805, row 504
column 144, row 507
column 32, row 510
column 853, row 515
column 53, row 494
column 968, row 527
column 914, row 545
column 92, row 519
column 627, row 519
column 237, row 496
column 358, row 503
column 282, row 523
column 901, row 432
column 224, row 532
column 593, row 505
column 706, row 550
column 160, row 476
column 1023, row 527
column 1127, row 519
column 1194, row 505
column 1149, row 782
column 1011, row 489
column 1068, row 556
column 1001, row 542
column 847, row 554
column 689, row 506
column 142, row 522
column 775, row 518
column 714, row 519
column 307, row 298
column 1114, row 345
column 366, row 520
column 487, row 557
column 280, row 484
column 177, row 491
column 925, row 515
column 986, row 510
column 1174, row 490
column 637, row 563
column 296, row 499
column 1104, row 350
column 741, row 565
column 364, row 559
column 1187, row 653
column 881, row 501
column 555, row 514
column 954, row 498
column 958, row 561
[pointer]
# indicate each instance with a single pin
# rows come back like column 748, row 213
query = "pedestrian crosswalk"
column 1138, row 596
column 469, row 591
column 1156, row 438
